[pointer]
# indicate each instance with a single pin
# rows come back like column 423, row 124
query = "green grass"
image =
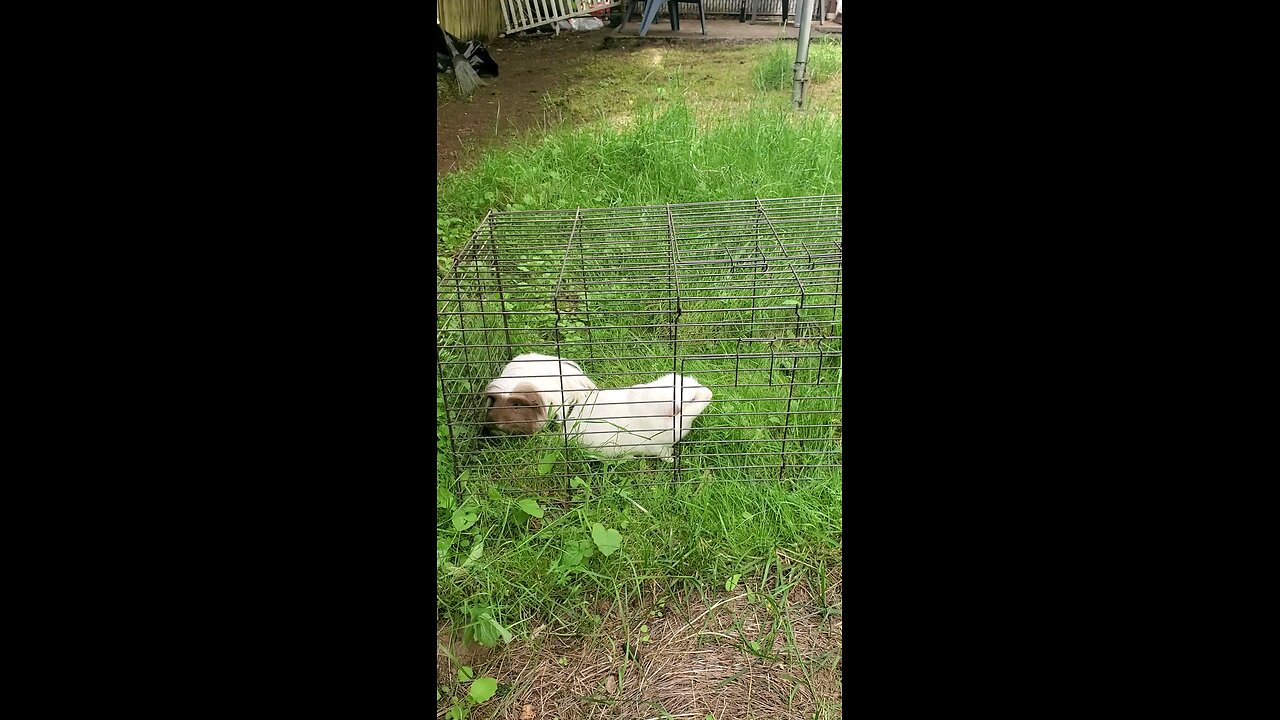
column 519, row 535
column 719, row 77
column 666, row 154
column 764, row 405
column 777, row 70
column 730, row 505
column 616, row 81
column 680, row 535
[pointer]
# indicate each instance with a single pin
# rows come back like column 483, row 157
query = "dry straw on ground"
column 695, row 664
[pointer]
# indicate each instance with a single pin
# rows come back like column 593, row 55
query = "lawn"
column 578, row 569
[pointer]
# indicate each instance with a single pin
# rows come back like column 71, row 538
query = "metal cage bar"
column 743, row 296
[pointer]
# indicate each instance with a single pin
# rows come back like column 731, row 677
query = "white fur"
column 641, row 419
column 559, row 384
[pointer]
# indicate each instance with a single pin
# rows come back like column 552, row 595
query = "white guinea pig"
column 646, row 419
column 528, row 386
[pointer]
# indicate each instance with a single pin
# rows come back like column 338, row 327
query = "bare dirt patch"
column 528, row 67
column 539, row 73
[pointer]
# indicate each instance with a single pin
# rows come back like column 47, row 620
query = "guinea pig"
column 531, row 386
column 646, row 419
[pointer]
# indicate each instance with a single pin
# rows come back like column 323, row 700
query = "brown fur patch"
column 516, row 413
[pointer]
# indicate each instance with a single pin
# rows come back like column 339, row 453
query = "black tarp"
column 475, row 52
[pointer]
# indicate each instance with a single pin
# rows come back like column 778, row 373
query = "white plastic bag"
column 587, row 23
column 582, row 23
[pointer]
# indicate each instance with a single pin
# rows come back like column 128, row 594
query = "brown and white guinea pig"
column 529, row 386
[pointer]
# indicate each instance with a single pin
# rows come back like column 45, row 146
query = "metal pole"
column 804, row 19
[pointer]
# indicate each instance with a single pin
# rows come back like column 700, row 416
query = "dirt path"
column 528, row 66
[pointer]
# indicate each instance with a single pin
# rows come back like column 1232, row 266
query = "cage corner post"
column 495, row 261
column 448, row 429
column 558, row 333
column 442, row 346
column 674, row 311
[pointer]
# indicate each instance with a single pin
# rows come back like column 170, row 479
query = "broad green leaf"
column 607, row 540
column 732, row 582
column 506, row 634
column 531, row 506
column 544, row 466
column 476, row 552
column 754, row 645
column 575, row 552
column 482, row 689
column 444, row 498
column 465, row 673
column 579, row 483
column 443, row 545
column 485, row 633
column 463, row 519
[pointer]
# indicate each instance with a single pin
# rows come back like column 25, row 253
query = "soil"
column 528, row 67
column 689, row 661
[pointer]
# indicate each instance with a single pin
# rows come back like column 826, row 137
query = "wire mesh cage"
column 742, row 298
